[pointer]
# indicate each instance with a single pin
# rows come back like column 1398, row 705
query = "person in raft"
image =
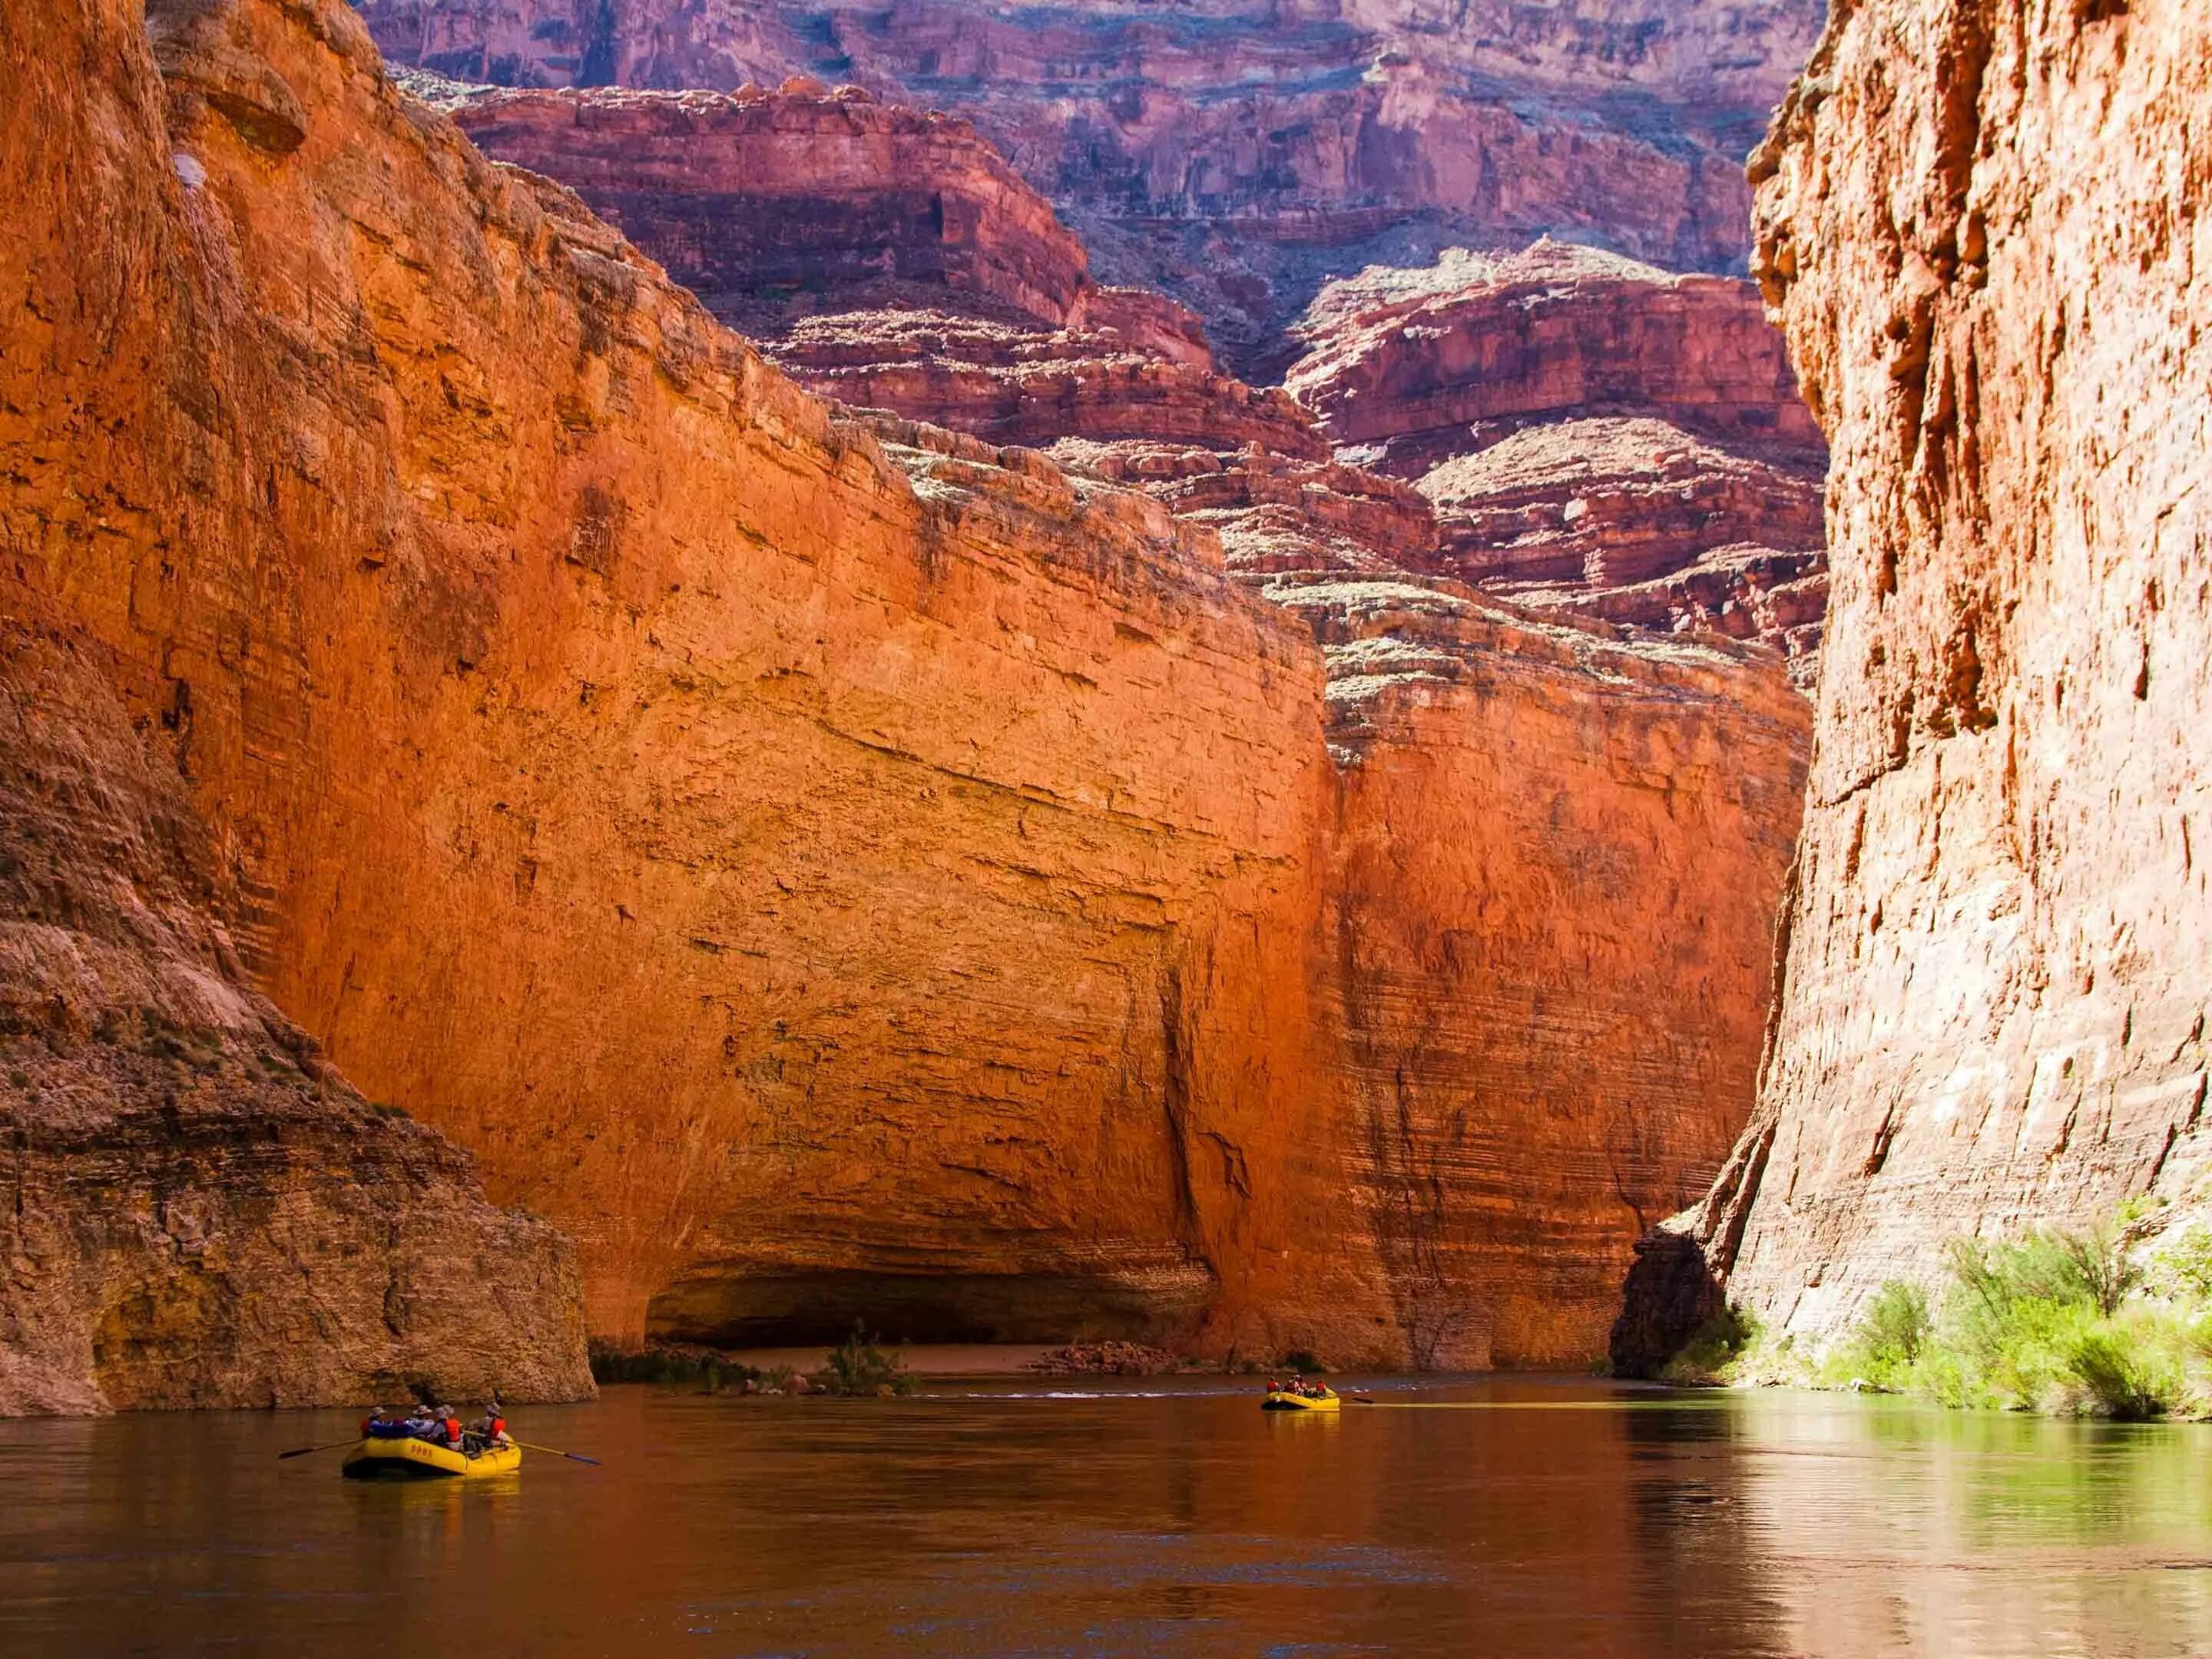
column 490, row 1428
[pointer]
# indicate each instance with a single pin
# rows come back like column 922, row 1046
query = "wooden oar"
column 574, row 1457
column 304, row 1450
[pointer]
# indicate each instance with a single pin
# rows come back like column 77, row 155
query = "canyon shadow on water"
column 1162, row 1518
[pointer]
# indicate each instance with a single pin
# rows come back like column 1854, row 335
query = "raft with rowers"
column 433, row 1445
column 1299, row 1395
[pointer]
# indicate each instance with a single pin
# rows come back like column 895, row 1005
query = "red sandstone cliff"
column 832, row 866
column 203, row 1212
column 1985, row 227
column 1549, row 982
column 1596, row 435
column 1235, row 153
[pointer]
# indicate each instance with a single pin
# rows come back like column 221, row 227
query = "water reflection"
column 1523, row 1518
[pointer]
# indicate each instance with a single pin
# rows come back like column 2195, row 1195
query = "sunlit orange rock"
column 832, row 865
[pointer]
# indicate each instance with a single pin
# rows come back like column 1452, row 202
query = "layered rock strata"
column 832, row 865
column 1236, row 153
column 1596, row 435
column 887, row 257
column 1549, row 982
column 1986, row 228
column 203, row 1212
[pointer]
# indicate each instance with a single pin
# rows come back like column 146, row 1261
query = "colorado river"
column 1168, row 1517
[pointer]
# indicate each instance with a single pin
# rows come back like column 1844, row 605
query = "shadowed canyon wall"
column 1985, row 227
column 202, row 1212
column 1235, row 153
column 834, row 865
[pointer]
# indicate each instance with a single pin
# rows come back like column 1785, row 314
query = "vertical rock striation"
column 1985, row 227
column 1552, row 990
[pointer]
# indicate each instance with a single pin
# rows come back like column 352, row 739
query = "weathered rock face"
column 1986, row 229
column 887, row 257
column 714, row 775
column 831, row 864
column 1412, row 367
column 761, row 199
column 1549, row 980
column 1596, row 436
column 1236, row 152
column 203, row 1212
column 1635, row 521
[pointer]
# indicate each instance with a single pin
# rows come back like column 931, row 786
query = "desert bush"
column 1885, row 1348
column 857, row 1367
column 656, row 1363
column 2123, row 1373
column 2079, row 1322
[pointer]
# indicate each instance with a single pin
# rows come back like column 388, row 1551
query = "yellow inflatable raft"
column 1325, row 1400
column 419, row 1460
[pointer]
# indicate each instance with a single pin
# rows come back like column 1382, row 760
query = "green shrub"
column 2054, row 1321
column 857, row 1367
column 656, row 1363
column 1884, row 1349
column 2183, row 1269
column 1713, row 1347
column 1302, row 1362
column 2123, row 1376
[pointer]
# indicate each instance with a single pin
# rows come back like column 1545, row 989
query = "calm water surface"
column 1554, row 1520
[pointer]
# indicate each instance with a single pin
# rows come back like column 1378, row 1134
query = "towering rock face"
column 1236, row 152
column 1549, row 980
column 1986, row 228
column 205, row 1213
column 1596, row 435
column 831, row 864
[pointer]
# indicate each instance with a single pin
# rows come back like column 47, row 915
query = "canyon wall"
column 1236, row 153
column 831, row 866
column 1985, row 227
column 1552, row 988
column 203, row 1212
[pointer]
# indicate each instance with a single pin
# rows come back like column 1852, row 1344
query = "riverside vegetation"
column 856, row 1368
column 2103, row 1323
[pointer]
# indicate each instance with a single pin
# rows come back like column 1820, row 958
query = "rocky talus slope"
column 1596, row 435
column 1986, row 228
column 831, row 864
column 1236, row 153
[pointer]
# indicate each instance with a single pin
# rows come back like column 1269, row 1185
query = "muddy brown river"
column 1493, row 1518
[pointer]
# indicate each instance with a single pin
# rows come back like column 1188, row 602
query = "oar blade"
column 555, row 1451
column 303, row 1450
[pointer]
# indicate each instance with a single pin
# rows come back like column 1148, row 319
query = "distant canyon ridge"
column 1235, row 154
